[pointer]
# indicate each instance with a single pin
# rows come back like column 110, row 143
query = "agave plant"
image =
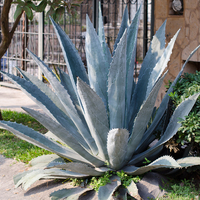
column 98, row 121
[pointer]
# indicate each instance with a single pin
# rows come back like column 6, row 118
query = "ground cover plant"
column 13, row 147
column 98, row 121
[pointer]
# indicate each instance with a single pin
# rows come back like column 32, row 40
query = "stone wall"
column 188, row 39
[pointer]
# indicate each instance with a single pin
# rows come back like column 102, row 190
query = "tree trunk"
column 6, row 33
column 1, row 118
column 24, row 41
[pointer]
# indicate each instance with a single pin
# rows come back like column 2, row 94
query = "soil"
column 148, row 186
column 39, row 191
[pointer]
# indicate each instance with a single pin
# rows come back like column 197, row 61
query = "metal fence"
column 38, row 35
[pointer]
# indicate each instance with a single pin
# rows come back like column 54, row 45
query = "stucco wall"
column 188, row 39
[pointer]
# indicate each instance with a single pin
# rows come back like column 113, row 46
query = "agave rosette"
column 100, row 119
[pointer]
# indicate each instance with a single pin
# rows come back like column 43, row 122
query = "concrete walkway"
column 11, row 98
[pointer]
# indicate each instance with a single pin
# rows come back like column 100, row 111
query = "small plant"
column 101, row 118
column 127, row 179
column 97, row 182
column 189, row 132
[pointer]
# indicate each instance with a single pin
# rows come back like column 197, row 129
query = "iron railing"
column 39, row 37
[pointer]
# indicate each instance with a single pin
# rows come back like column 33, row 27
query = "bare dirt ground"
column 39, row 191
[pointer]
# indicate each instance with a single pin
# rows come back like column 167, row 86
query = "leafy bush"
column 188, row 85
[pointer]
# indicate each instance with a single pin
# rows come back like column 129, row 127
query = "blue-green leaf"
column 189, row 161
column 76, row 167
column 67, row 103
column 142, row 119
column 72, row 139
column 116, row 85
column 117, row 147
column 48, row 106
column 35, row 138
column 43, row 161
column 34, row 175
column 74, row 63
column 124, row 26
column 154, row 53
column 102, row 40
column 43, row 87
column 162, row 162
column 105, row 192
column 133, row 191
column 161, row 110
column 96, row 63
column 72, row 193
column 181, row 111
column 130, row 57
column 95, row 115
column 161, row 64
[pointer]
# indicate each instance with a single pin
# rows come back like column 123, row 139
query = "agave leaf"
column 76, row 167
column 105, row 192
column 133, row 191
column 25, row 176
column 34, row 137
column 43, row 87
column 35, row 175
column 32, row 178
column 74, row 63
column 66, row 82
column 67, row 103
column 17, row 178
column 154, row 53
column 124, row 26
column 122, row 193
column 70, row 194
column 161, row 64
column 36, row 95
column 96, row 63
column 181, row 111
column 162, row 162
column 42, row 141
column 72, row 140
column 50, row 135
column 117, row 147
column 130, row 56
column 142, row 119
column 42, row 100
column 95, row 115
column 44, row 160
column 116, row 85
column 102, row 40
column 103, row 169
column 188, row 161
column 161, row 110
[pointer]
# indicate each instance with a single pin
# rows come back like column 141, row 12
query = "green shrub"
column 188, row 85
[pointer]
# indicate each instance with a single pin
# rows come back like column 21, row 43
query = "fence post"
column 145, row 27
column 40, row 40
column 95, row 14
column 152, row 19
